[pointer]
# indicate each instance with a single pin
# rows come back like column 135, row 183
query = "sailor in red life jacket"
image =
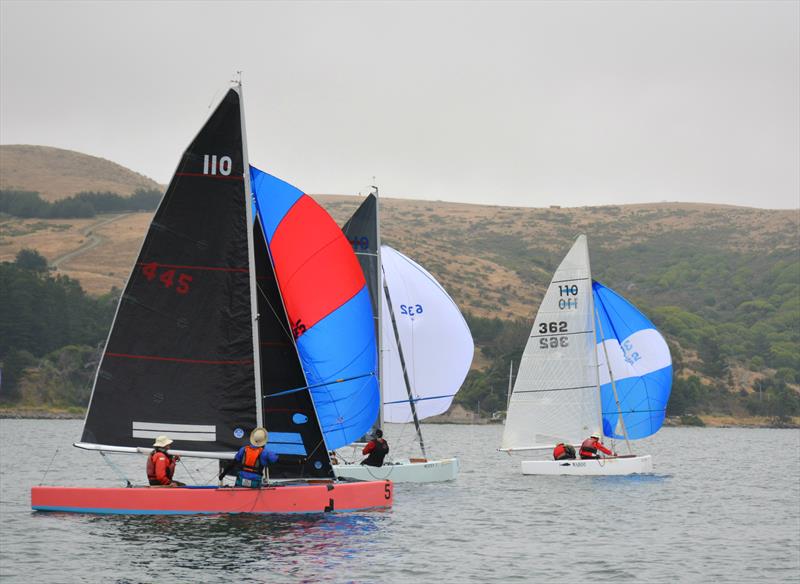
column 591, row 445
column 563, row 451
column 377, row 449
column 161, row 464
column 252, row 460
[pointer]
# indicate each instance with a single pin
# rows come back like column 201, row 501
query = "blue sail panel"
column 275, row 196
column 342, row 346
column 629, row 345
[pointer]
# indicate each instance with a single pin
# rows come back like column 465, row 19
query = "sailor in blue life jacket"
column 252, row 460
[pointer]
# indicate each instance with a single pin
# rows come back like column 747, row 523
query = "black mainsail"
column 362, row 231
column 183, row 358
column 179, row 359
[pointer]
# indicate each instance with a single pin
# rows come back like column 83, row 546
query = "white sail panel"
column 436, row 342
column 556, row 396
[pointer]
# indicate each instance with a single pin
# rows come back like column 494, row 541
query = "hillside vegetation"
column 722, row 283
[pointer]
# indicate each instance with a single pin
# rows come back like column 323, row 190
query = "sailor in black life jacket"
column 377, row 449
column 563, row 451
column 252, row 460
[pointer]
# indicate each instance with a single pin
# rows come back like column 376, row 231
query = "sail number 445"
column 167, row 277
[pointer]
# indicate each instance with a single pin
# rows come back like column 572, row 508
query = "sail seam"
column 179, row 359
column 206, row 268
column 555, row 389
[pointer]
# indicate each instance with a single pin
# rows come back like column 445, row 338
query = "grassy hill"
column 722, row 282
column 57, row 173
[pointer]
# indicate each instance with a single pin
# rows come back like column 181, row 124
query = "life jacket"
column 589, row 448
column 563, row 451
column 376, row 456
column 251, row 461
column 151, row 467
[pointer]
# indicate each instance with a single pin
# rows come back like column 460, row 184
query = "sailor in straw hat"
column 252, row 459
column 161, row 464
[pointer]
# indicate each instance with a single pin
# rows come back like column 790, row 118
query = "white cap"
column 258, row 437
column 162, row 442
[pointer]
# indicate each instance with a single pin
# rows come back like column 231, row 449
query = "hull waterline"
column 623, row 465
column 310, row 497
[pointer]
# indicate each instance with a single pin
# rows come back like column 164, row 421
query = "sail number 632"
column 411, row 309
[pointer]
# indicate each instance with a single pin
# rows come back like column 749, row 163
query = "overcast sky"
column 520, row 103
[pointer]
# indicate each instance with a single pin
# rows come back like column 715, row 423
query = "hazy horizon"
column 509, row 103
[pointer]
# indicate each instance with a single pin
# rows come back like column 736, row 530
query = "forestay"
column 555, row 396
column 437, row 345
column 640, row 364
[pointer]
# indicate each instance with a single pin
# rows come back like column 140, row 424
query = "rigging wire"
column 47, row 470
column 116, row 469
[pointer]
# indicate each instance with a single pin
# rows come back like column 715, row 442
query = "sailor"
column 252, row 460
column 377, row 449
column 591, row 445
column 161, row 464
column 563, row 451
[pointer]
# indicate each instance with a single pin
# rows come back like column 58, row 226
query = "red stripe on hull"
column 303, row 498
column 315, row 264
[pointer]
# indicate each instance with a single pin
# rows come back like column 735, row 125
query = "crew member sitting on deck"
column 377, row 449
column 252, row 460
column 591, row 445
column 563, row 451
column 161, row 464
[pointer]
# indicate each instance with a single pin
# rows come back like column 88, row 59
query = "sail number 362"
column 553, row 342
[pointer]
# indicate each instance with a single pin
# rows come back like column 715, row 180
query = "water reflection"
column 290, row 545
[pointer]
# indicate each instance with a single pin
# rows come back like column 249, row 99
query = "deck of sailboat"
column 286, row 498
column 403, row 471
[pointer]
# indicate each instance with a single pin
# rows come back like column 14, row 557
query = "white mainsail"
column 436, row 342
column 556, row 396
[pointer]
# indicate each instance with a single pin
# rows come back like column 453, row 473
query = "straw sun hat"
column 258, row 437
column 162, row 442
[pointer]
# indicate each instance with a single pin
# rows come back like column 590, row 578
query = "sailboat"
column 226, row 324
column 425, row 345
column 593, row 364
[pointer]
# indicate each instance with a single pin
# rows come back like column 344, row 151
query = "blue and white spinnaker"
column 640, row 364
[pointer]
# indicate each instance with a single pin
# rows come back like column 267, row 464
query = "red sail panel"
column 315, row 264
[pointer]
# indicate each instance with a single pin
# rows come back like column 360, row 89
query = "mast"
column 613, row 384
column 403, row 366
column 380, row 303
column 251, row 254
column 510, row 377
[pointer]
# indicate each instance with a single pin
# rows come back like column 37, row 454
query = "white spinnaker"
column 437, row 345
column 556, row 397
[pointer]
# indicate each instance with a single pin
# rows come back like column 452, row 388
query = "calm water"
column 722, row 506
